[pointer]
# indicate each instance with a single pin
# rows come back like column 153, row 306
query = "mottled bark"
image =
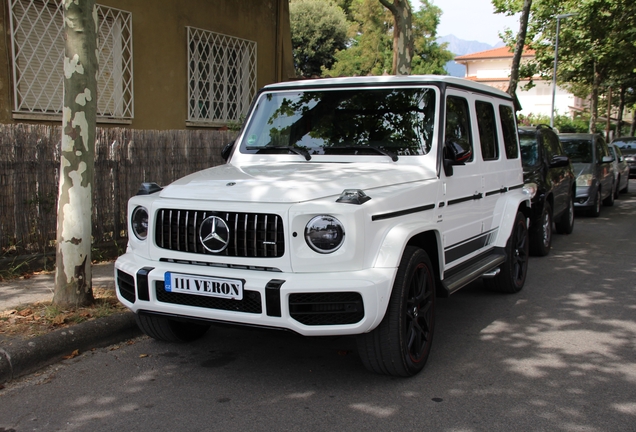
column 402, row 35
column 594, row 99
column 516, row 60
column 73, row 285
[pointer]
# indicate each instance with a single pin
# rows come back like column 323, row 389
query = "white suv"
column 345, row 206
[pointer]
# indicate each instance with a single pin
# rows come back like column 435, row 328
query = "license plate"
column 204, row 285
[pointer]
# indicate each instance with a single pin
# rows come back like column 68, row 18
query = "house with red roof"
column 492, row 67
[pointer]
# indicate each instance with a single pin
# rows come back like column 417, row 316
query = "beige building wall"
column 160, row 51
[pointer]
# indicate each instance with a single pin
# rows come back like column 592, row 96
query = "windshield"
column 396, row 122
column 579, row 151
column 529, row 150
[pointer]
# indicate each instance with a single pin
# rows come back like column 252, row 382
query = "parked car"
column 547, row 169
column 345, row 205
column 593, row 168
column 621, row 169
column 628, row 149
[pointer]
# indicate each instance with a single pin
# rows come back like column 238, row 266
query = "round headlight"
column 324, row 234
column 139, row 222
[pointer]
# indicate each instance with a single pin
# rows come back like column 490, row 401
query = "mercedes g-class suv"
column 345, row 206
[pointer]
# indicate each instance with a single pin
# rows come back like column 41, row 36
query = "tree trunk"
column 402, row 35
column 73, row 284
column 516, row 60
column 621, row 111
column 594, row 99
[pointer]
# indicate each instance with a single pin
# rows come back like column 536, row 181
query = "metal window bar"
column 37, row 47
column 221, row 76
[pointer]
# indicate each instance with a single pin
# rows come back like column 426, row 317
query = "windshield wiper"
column 357, row 149
column 268, row 149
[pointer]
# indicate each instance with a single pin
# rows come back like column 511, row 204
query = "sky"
column 472, row 20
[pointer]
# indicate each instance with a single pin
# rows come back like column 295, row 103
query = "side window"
column 509, row 131
column 549, row 145
column 487, row 125
column 458, row 123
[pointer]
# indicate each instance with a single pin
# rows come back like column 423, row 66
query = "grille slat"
column 251, row 234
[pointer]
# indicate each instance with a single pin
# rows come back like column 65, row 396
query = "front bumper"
column 311, row 304
column 585, row 196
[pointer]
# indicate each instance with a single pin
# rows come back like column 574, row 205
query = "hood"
column 289, row 182
column 582, row 168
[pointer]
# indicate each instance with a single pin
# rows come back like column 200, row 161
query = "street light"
column 556, row 55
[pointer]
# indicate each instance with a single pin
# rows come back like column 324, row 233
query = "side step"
column 486, row 264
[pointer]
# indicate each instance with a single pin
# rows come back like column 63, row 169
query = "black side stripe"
column 519, row 186
column 464, row 199
column 402, row 212
column 455, row 252
column 498, row 191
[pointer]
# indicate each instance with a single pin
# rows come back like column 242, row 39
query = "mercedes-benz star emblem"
column 214, row 234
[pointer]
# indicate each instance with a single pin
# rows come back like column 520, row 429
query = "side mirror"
column 607, row 159
column 226, row 150
column 455, row 154
column 559, row 161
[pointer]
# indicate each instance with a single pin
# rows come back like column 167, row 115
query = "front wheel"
column 512, row 274
column 609, row 200
column 596, row 210
column 541, row 233
column 400, row 345
column 565, row 224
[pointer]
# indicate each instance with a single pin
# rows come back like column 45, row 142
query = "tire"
column 626, row 188
column 596, row 210
column 513, row 271
column 609, row 200
column 565, row 224
column 402, row 342
column 168, row 330
column 618, row 184
column 541, row 233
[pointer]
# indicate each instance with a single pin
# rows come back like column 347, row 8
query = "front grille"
column 250, row 234
column 330, row 308
column 251, row 302
column 126, row 285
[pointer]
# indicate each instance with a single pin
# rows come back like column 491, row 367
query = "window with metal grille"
column 38, row 51
column 221, row 76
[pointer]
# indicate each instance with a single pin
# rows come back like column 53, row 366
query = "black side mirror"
column 559, row 161
column 455, row 154
column 226, row 150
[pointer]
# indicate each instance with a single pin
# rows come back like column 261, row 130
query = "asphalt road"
column 558, row 356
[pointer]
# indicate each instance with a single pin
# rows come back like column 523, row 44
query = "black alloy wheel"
column 402, row 342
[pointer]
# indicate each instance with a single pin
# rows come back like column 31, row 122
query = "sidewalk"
column 20, row 357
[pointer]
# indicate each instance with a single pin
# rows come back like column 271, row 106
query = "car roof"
column 624, row 139
column 385, row 80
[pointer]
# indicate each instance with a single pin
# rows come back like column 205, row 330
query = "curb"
column 27, row 356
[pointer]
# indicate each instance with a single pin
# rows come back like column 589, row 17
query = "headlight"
column 530, row 189
column 585, row 180
column 324, row 234
column 139, row 222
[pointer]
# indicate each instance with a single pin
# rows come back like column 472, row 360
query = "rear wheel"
column 565, row 224
column 541, row 233
column 400, row 345
column 169, row 330
column 609, row 200
column 512, row 274
column 596, row 210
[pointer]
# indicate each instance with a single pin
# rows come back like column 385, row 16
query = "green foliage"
column 562, row 123
column 371, row 49
column 319, row 29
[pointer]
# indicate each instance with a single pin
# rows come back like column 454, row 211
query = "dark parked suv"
column 594, row 170
column 548, row 173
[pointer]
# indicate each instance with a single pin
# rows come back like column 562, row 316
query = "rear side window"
column 458, row 123
column 487, row 125
column 509, row 131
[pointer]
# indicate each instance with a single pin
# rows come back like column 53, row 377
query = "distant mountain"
column 461, row 47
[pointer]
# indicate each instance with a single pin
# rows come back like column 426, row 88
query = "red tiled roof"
column 495, row 53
